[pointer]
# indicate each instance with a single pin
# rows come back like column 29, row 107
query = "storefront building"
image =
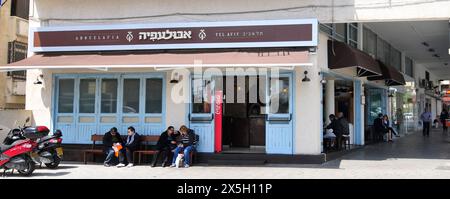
column 98, row 77
column 109, row 68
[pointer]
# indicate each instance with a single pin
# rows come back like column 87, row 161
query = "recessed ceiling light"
column 430, row 50
column 436, row 55
column 425, row 44
column 445, row 64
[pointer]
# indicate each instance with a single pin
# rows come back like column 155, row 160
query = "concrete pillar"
column 329, row 98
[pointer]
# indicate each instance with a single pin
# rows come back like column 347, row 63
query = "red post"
column 218, row 121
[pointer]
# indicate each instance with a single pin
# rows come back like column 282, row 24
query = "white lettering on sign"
column 165, row 35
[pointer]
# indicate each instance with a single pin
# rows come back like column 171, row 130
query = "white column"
column 329, row 98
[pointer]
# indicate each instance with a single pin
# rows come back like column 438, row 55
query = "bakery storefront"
column 235, row 83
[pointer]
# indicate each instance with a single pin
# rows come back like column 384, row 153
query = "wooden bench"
column 146, row 142
column 94, row 150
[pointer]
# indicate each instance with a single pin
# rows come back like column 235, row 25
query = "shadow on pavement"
column 411, row 146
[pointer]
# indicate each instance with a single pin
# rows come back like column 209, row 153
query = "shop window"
column 352, row 38
column 109, row 96
column 409, row 67
column 327, row 28
column 153, row 95
column 16, row 52
column 201, row 96
column 383, row 51
column 65, row 95
column 279, row 95
column 340, row 31
column 395, row 59
column 370, row 42
column 131, row 88
column 376, row 104
column 20, row 8
column 87, row 95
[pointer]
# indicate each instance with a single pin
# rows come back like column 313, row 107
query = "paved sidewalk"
column 412, row 156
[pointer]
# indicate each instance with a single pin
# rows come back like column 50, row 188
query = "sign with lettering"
column 234, row 34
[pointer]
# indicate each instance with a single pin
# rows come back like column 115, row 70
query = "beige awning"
column 141, row 60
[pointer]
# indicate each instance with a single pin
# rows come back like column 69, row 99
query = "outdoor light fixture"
column 306, row 79
column 323, row 81
column 38, row 82
column 175, row 79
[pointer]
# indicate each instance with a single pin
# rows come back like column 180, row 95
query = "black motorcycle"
column 49, row 150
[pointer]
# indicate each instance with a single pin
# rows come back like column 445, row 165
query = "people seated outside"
column 185, row 142
column 390, row 130
column 112, row 142
column 337, row 129
column 165, row 146
column 345, row 130
column 379, row 126
column 436, row 122
column 132, row 144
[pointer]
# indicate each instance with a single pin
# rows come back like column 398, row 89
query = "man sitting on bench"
column 111, row 139
column 131, row 145
column 185, row 142
column 167, row 143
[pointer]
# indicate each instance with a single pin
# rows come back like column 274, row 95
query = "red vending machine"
column 218, row 105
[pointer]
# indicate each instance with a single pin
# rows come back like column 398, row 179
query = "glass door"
column 201, row 118
column 279, row 132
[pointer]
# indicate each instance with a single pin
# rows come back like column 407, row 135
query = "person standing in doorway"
column 426, row 120
column 443, row 117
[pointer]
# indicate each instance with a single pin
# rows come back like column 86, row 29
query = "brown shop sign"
column 295, row 33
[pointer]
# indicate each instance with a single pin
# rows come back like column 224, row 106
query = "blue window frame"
column 85, row 104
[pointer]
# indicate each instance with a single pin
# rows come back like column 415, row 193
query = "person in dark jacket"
column 132, row 144
column 379, row 126
column 111, row 139
column 344, row 128
column 334, row 125
column 185, row 142
column 443, row 117
column 167, row 143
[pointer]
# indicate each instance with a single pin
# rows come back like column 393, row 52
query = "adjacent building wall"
column 12, row 28
column 11, row 119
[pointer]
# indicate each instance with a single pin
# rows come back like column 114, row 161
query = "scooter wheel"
column 53, row 165
column 30, row 167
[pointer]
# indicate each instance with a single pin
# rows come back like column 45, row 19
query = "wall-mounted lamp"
column 175, row 78
column 323, row 81
column 306, row 79
column 38, row 82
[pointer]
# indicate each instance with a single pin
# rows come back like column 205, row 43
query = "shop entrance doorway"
column 244, row 114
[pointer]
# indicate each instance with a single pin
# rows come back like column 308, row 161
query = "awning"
column 391, row 76
column 341, row 55
column 181, row 59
